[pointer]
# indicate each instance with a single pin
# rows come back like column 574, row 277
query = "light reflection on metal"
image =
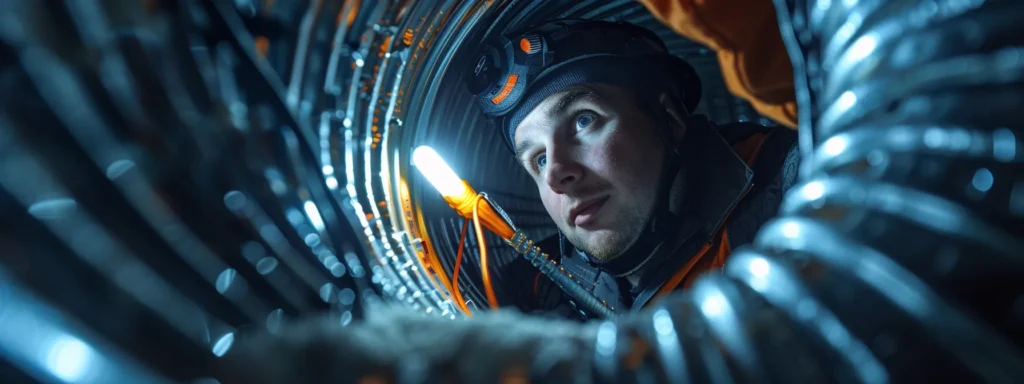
column 223, row 344
column 439, row 36
column 180, row 208
column 51, row 346
column 397, row 256
column 70, row 359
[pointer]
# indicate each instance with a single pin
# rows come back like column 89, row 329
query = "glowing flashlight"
column 464, row 200
column 437, row 172
column 457, row 192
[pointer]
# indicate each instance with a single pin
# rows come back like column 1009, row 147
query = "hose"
column 564, row 280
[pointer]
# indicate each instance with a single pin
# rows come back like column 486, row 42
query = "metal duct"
column 898, row 258
column 163, row 188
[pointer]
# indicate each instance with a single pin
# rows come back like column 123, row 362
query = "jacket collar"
column 719, row 178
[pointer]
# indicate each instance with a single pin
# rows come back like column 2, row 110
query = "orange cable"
column 484, row 270
column 455, row 272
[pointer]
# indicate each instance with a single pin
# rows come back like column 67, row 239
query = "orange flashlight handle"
column 489, row 217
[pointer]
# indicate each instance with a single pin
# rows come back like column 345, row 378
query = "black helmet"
column 514, row 73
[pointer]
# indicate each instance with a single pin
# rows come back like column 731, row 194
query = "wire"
column 492, row 299
column 455, row 272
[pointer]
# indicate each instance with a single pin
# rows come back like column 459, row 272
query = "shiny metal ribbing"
column 899, row 257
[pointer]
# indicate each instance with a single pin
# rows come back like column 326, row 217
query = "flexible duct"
column 899, row 256
column 142, row 231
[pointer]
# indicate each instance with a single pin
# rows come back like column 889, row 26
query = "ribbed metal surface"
column 157, row 195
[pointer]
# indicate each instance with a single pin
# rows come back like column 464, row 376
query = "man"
column 645, row 195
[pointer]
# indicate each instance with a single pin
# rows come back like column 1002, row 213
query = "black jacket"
column 721, row 191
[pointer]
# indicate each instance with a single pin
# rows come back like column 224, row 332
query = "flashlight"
column 457, row 192
column 437, row 172
column 471, row 205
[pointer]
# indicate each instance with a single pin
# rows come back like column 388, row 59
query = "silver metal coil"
column 899, row 255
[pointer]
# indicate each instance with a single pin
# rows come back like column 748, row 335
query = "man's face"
column 597, row 160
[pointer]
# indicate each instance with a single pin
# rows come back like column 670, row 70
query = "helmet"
column 515, row 72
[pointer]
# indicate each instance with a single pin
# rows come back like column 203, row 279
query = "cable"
column 455, row 272
column 583, row 297
column 492, row 299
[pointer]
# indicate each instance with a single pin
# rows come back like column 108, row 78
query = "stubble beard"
column 610, row 246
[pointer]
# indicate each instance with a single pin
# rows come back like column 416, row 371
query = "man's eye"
column 540, row 161
column 585, row 120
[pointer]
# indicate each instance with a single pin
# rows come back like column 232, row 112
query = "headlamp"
column 507, row 66
column 517, row 70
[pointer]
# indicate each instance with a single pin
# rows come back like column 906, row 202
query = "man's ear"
column 675, row 111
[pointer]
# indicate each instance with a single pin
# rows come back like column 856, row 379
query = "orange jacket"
column 745, row 35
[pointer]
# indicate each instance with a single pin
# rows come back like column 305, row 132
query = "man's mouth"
column 586, row 212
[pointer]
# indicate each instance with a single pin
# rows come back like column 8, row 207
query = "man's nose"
column 562, row 172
